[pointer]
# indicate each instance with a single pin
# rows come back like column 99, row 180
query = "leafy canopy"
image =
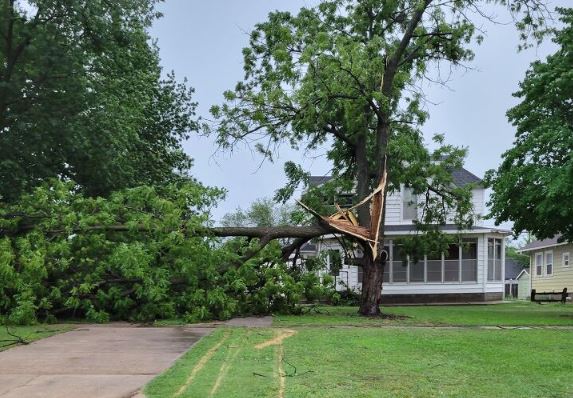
column 82, row 98
column 533, row 187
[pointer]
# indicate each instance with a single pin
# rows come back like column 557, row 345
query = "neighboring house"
column 550, row 265
column 512, row 270
column 471, row 271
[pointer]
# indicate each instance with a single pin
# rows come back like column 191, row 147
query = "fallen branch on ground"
column 17, row 340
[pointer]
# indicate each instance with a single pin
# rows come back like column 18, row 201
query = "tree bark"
column 371, row 286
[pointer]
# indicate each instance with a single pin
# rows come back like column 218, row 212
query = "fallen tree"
column 143, row 254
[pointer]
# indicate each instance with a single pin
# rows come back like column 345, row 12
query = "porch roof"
column 406, row 229
column 409, row 229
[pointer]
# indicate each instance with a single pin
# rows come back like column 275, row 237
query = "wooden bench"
column 539, row 297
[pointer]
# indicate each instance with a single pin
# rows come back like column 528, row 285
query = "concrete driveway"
column 112, row 361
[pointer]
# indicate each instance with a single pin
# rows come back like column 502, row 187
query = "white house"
column 470, row 271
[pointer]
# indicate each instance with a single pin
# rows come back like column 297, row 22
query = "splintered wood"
column 346, row 222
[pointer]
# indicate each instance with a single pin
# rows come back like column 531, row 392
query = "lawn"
column 507, row 314
column 318, row 355
column 10, row 336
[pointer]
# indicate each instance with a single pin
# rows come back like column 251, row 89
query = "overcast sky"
column 202, row 41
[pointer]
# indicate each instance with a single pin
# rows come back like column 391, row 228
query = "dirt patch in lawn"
column 202, row 362
column 277, row 340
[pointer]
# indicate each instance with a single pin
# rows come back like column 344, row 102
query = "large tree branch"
column 387, row 83
column 338, row 134
column 409, row 32
column 416, row 53
column 271, row 233
column 265, row 235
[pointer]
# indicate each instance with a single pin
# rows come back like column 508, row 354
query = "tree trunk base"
column 371, row 287
column 370, row 310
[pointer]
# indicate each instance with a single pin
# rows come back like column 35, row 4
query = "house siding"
column 394, row 208
column 478, row 202
column 562, row 276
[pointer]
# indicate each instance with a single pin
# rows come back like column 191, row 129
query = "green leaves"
column 533, row 187
column 82, row 98
column 135, row 256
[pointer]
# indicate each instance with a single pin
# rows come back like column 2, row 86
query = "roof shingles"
column 537, row 244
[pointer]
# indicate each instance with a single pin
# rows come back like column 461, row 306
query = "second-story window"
column 409, row 204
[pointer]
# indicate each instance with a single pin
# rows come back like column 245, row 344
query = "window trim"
column 563, row 260
column 539, row 273
column 494, row 259
column 545, row 263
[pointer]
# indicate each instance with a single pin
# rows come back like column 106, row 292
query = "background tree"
column 533, row 187
column 82, row 98
column 346, row 75
column 512, row 252
column 263, row 212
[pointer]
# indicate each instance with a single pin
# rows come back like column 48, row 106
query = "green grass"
column 240, row 379
column 9, row 337
column 336, row 353
column 376, row 362
column 508, row 314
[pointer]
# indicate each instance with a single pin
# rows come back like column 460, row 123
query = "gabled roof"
column 522, row 273
column 512, row 268
column 542, row 244
column 461, row 178
column 315, row 181
column 309, row 247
